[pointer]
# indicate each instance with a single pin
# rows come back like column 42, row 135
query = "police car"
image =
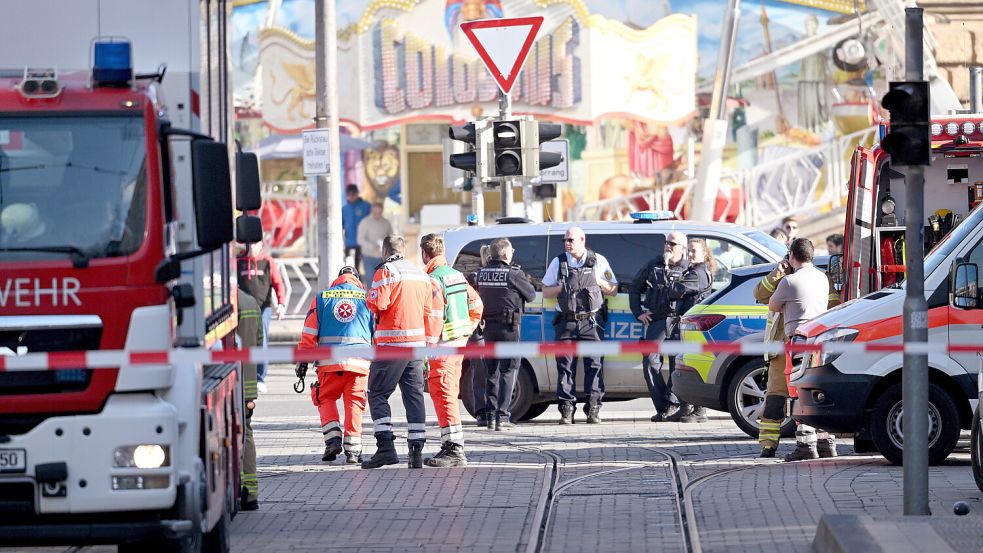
column 628, row 246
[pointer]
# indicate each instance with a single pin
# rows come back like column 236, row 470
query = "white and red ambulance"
column 860, row 391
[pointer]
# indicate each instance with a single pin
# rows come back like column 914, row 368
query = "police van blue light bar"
column 112, row 62
column 663, row 215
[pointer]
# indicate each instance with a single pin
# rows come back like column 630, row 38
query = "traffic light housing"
column 507, row 143
column 546, row 160
column 466, row 161
column 908, row 141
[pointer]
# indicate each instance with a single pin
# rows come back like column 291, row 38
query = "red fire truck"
column 116, row 223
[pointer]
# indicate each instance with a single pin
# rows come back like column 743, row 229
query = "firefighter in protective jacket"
column 339, row 317
column 462, row 313
column 779, row 365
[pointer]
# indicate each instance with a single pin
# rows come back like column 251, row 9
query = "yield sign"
column 503, row 45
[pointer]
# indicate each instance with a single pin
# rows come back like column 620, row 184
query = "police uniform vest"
column 457, row 322
column 502, row 302
column 580, row 293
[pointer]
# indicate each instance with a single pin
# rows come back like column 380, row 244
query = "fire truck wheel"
column 943, row 424
column 976, row 449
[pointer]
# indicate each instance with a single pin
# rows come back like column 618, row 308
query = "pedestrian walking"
column 250, row 332
column 690, row 289
column 352, row 213
column 648, row 297
column 579, row 279
column 478, row 365
column 338, row 318
column 408, row 314
column 462, row 313
column 371, row 232
column 504, row 290
column 795, row 292
column 260, row 277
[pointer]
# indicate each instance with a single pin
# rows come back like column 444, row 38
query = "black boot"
column 593, row 414
column 353, row 457
column 451, row 455
column 566, row 413
column 684, row 409
column 698, row 414
column 663, row 416
column 385, row 452
column 416, row 455
column 332, row 448
column 826, row 447
column 481, row 420
column 491, row 423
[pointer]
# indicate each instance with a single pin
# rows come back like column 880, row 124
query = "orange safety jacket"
column 408, row 312
column 474, row 305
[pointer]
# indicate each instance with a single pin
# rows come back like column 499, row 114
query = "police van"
column 628, row 246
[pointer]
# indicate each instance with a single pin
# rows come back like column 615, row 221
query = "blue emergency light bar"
column 112, row 63
column 663, row 215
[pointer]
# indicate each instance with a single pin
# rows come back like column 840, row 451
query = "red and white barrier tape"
column 117, row 358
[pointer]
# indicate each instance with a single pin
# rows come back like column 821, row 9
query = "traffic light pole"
column 504, row 114
column 915, row 370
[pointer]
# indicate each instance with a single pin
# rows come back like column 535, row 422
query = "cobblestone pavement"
column 623, row 486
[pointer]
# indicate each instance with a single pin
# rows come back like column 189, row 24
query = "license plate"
column 13, row 460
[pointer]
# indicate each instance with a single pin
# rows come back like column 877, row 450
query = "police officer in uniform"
column 504, row 289
column 579, row 279
column 649, row 299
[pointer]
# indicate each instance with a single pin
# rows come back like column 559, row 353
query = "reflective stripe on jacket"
column 462, row 306
column 339, row 317
column 407, row 307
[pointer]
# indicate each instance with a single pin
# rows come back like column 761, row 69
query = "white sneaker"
column 261, row 387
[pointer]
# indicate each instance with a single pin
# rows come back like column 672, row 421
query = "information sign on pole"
column 317, row 156
column 503, row 45
column 560, row 173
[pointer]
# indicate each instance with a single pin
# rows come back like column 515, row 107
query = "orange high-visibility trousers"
column 444, row 382
column 335, row 384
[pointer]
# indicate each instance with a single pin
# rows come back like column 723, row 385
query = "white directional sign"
column 560, row 173
column 503, row 45
column 317, row 156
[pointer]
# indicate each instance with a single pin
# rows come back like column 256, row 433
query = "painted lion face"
column 381, row 168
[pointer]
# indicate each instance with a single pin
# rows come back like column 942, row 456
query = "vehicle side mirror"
column 835, row 271
column 212, row 188
column 249, row 229
column 248, row 195
column 964, row 286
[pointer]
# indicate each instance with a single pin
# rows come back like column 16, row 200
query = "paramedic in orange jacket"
column 339, row 318
column 462, row 313
column 409, row 315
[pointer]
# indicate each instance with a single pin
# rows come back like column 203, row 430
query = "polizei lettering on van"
column 32, row 292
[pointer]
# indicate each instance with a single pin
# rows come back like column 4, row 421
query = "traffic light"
column 467, row 161
column 908, row 141
column 507, row 148
column 547, row 132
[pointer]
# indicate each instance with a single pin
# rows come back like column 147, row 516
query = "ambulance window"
column 976, row 255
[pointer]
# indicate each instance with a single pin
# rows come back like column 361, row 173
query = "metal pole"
column 505, row 113
column 330, row 244
column 976, row 89
column 915, row 371
column 715, row 127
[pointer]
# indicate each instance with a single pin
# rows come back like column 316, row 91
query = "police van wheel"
column 976, row 449
column 537, row 409
column 522, row 394
column 943, row 424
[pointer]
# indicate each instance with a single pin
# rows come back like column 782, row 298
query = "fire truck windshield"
column 71, row 184
column 952, row 241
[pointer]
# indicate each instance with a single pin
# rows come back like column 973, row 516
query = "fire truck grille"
column 19, row 341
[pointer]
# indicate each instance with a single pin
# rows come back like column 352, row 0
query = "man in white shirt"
column 579, row 279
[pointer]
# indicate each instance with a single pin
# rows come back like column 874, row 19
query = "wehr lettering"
column 35, row 292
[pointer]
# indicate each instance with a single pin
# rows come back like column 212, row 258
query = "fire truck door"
column 857, row 244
